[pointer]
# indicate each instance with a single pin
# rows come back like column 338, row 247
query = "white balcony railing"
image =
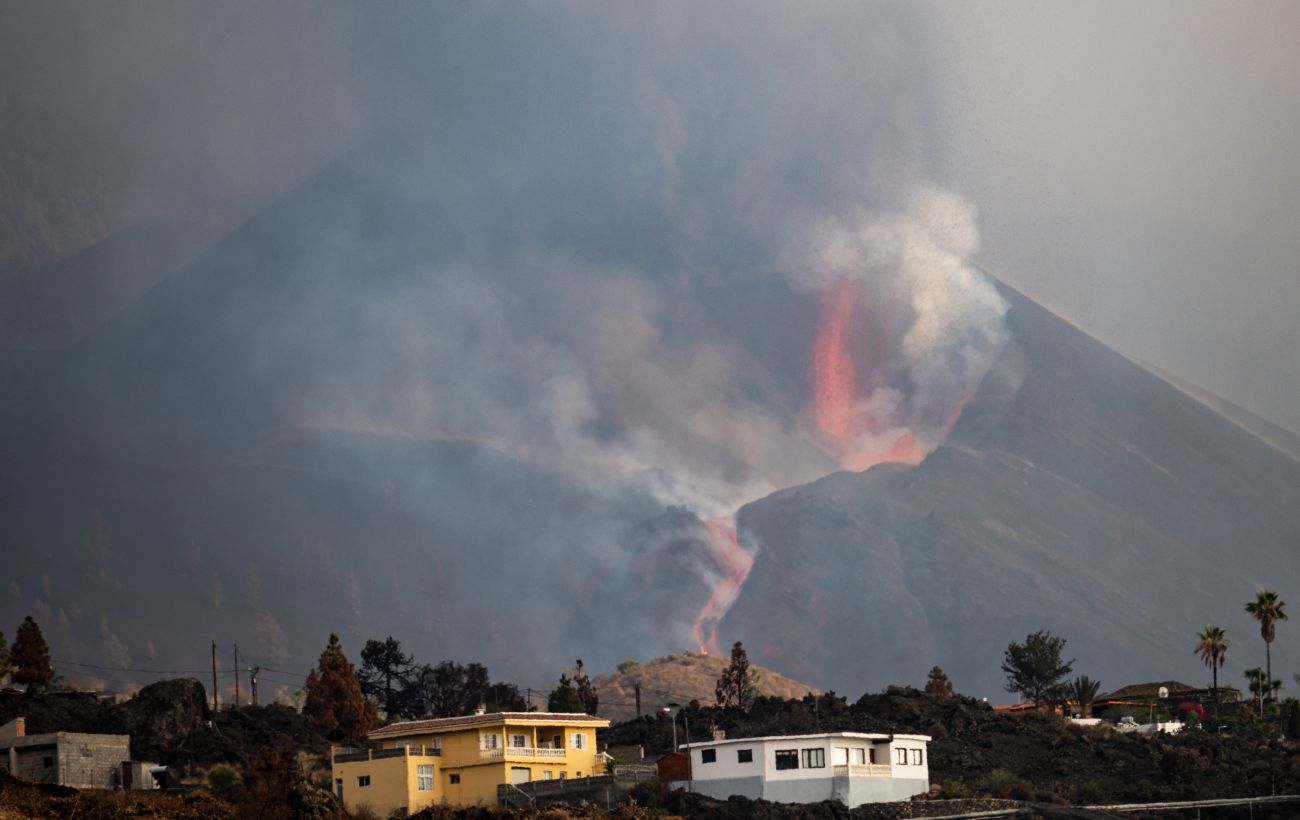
column 520, row 751
column 863, row 770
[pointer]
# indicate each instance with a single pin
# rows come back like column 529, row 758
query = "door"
column 519, row 774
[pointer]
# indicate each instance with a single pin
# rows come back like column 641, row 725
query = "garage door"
column 519, row 774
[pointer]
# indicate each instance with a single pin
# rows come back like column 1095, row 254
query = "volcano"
column 324, row 424
column 1079, row 492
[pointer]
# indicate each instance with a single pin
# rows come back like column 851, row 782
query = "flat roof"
column 819, row 736
column 418, row 727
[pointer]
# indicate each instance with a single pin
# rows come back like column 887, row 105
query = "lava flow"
column 851, row 434
column 734, row 562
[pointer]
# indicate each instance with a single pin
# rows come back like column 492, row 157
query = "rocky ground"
column 979, row 760
column 978, row 752
column 170, row 723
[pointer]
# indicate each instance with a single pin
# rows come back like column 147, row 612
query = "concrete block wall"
column 92, row 761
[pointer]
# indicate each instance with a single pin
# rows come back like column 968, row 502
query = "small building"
column 460, row 761
column 83, row 760
column 852, row 767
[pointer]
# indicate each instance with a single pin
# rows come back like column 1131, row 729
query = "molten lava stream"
column 735, row 564
column 834, row 373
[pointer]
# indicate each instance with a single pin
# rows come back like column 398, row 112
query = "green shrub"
column 938, row 730
column 1005, row 785
column 1088, row 793
column 223, row 779
column 954, row 789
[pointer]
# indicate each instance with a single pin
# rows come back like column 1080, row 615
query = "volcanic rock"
column 1078, row 493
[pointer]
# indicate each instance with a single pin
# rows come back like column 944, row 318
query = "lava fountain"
column 850, row 431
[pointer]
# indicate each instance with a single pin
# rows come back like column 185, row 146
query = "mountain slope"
column 1078, row 493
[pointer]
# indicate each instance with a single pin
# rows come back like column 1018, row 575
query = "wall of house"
column 91, row 761
column 909, row 770
column 29, row 763
column 859, row 790
column 480, row 776
column 394, row 784
column 727, row 775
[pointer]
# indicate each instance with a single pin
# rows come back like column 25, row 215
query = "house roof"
column 1137, row 690
column 419, row 727
column 819, row 736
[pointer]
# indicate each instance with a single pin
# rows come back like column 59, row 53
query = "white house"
column 853, row 767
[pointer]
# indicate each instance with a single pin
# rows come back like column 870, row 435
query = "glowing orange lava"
column 851, row 435
column 835, row 375
column 734, row 563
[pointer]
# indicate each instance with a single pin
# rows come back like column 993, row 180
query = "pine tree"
column 30, row 657
column 1035, row 669
column 938, row 683
column 564, row 697
column 586, row 692
column 4, row 658
column 385, row 676
column 738, row 684
column 334, row 700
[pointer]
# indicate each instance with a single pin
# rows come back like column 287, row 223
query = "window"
column 579, row 740
column 453, row 779
column 871, row 755
column 787, row 759
column 860, row 756
column 557, row 742
column 547, row 775
column 338, row 788
column 487, row 741
column 363, row 781
column 424, row 778
column 708, row 755
column 49, row 762
column 814, row 758
column 517, row 742
column 900, row 757
column 744, row 755
column 436, row 743
column 841, row 756
column 563, row 775
column 916, row 757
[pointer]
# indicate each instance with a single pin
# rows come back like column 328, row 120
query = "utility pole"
column 252, row 674
column 236, row 676
column 528, row 699
column 638, row 701
column 215, row 703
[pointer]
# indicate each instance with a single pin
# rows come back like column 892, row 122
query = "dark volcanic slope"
column 1094, row 500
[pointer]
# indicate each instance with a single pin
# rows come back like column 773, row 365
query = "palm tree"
column 1213, row 649
column 1268, row 609
column 1085, row 689
column 1255, row 680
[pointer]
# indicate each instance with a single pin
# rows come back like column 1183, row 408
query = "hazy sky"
column 1132, row 165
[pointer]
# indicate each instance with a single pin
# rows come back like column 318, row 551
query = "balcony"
column 521, row 752
column 863, row 770
column 344, row 755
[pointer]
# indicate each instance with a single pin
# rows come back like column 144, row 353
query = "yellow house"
column 460, row 761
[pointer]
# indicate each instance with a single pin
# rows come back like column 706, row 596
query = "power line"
column 133, row 669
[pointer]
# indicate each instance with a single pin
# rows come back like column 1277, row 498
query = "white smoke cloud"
column 911, row 262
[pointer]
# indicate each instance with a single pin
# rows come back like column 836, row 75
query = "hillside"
column 1078, row 493
column 680, row 679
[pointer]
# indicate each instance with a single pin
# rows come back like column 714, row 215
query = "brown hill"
column 680, row 679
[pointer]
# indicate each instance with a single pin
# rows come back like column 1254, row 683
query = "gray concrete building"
column 75, row 759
